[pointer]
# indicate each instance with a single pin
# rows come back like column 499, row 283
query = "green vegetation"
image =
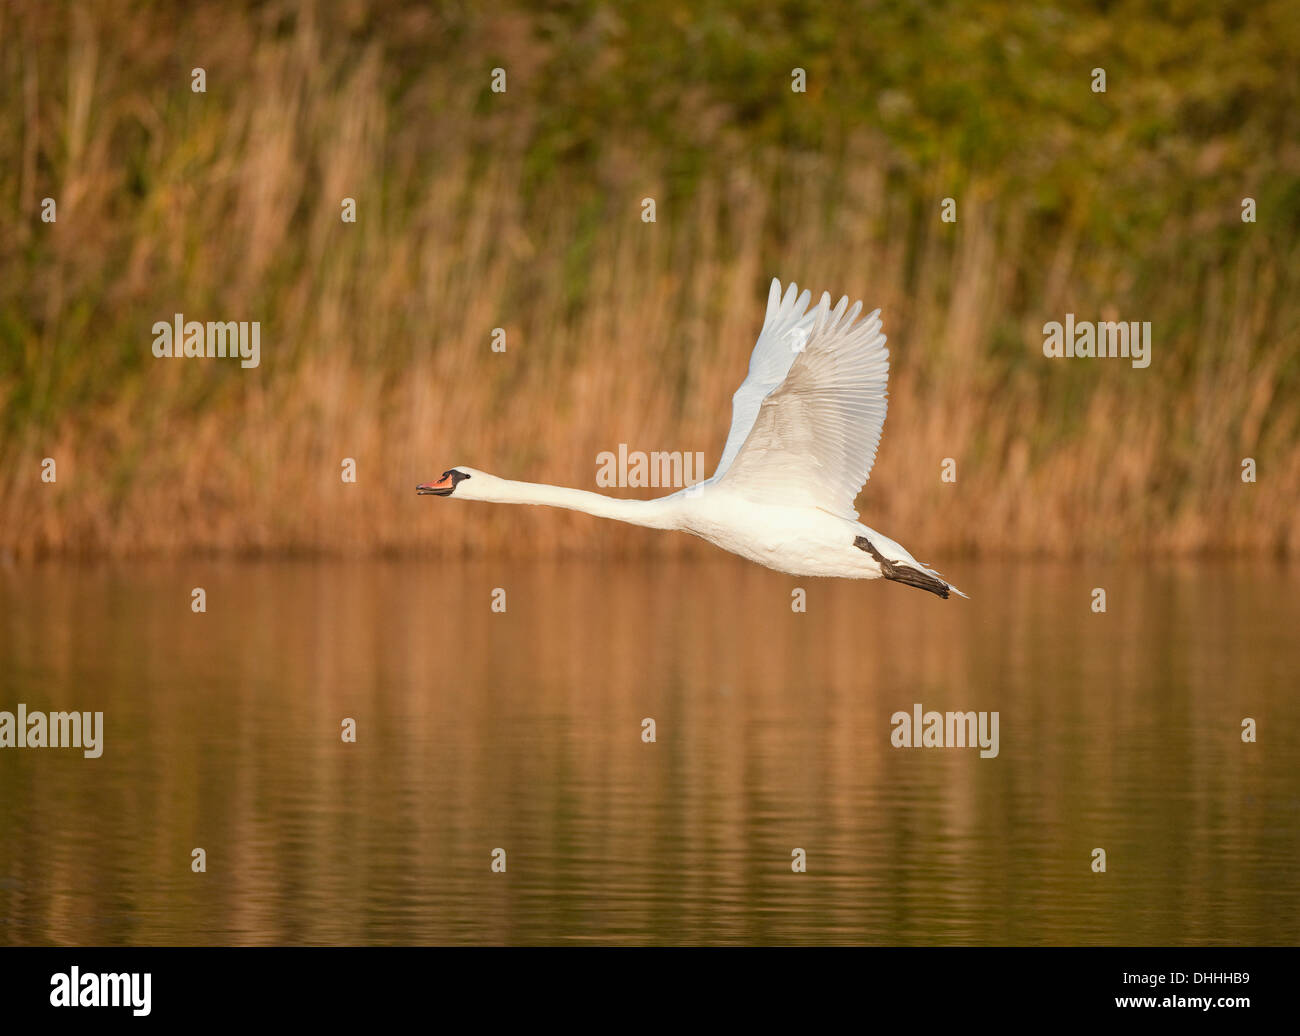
column 522, row 210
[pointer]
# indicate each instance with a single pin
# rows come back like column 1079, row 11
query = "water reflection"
column 522, row 730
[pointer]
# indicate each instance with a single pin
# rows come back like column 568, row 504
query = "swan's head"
column 446, row 484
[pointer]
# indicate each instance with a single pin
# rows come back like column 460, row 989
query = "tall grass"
column 523, row 211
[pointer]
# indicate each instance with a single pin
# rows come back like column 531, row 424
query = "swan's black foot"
column 905, row 574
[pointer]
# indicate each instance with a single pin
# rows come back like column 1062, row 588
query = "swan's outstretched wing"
column 785, row 329
column 814, row 438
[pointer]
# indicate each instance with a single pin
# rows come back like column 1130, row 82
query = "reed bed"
column 522, row 211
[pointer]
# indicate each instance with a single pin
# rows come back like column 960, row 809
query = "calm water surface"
column 522, row 730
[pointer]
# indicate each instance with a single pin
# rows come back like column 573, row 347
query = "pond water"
column 522, row 730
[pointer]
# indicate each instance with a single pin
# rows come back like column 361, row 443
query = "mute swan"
column 804, row 430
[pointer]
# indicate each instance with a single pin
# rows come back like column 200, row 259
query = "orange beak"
column 440, row 487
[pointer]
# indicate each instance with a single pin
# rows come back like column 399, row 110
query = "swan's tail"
column 905, row 569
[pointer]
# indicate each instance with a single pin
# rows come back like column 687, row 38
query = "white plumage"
column 805, row 427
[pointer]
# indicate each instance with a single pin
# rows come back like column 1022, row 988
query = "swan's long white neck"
column 662, row 513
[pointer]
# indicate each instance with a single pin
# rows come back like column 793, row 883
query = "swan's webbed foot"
column 905, row 574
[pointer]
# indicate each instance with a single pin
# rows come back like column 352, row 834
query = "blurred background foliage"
column 522, row 210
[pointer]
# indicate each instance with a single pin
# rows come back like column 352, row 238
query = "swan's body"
column 804, row 430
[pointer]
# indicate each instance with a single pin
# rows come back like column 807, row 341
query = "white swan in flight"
column 804, row 430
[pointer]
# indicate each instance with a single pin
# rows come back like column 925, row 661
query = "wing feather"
column 813, row 440
column 785, row 329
